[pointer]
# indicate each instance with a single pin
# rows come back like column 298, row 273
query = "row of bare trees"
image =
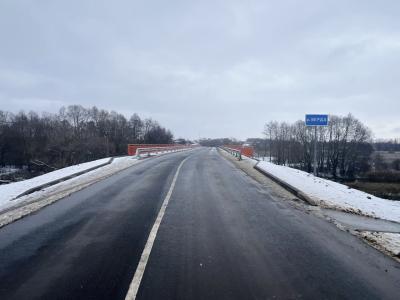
column 343, row 147
column 75, row 134
column 217, row 142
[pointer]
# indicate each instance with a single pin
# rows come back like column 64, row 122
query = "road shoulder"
column 377, row 235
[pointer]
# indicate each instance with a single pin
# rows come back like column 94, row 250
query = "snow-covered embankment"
column 331, row 194
column 13, row 190
column 12, row 208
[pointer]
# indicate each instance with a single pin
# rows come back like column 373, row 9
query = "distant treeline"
column 219, row 142
column 389, row 145
column 73, row 135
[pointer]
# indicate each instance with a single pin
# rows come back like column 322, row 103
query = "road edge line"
column 137, row 278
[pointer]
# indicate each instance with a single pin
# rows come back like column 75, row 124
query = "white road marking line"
column 137, row 278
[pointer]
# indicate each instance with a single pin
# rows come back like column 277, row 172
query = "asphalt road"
column 223, row 236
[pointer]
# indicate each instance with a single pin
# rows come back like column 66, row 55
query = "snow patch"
column 12, row 210
column 389, row 241
column 10, row 191
column 331, row 194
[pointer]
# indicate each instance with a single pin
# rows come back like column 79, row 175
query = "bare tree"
column 76, row 134
column 342, row 147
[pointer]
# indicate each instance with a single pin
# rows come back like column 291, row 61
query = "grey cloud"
column 209, row 68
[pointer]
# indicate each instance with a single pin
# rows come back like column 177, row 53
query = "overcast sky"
column 205, row 68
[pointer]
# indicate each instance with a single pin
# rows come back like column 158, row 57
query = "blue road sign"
column 317, row 120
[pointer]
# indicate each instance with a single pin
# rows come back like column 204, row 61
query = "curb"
column 287, row 186
column 50, row 183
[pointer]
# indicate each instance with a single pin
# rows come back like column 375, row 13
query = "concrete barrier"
column 53, row 182
column 287, row 186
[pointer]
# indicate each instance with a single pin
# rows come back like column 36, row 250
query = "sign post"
column 315, row 121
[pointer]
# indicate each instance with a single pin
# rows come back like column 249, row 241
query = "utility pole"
column 316, row 121
column 315, row 150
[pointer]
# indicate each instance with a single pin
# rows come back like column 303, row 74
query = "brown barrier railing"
column 244, row 150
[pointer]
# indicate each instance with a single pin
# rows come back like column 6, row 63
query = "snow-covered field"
column 334, row 195
column 12, row 190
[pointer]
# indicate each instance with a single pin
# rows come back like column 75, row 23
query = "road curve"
column 223, row 236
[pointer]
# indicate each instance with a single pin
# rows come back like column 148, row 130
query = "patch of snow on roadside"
column 389, row 241
column 16, row 209
column 12, row 190
column 249, row 159
column 334, row 195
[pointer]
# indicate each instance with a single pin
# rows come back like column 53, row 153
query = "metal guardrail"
column 157, row 150
column 234, row 152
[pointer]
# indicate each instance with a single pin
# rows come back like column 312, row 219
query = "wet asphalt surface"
column 223, row 236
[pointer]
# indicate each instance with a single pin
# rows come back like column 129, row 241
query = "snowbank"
column 11, row 210
column 12, row 190
column 334, row 195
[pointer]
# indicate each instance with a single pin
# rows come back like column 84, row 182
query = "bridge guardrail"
column 234, row 152
column 157, row 150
